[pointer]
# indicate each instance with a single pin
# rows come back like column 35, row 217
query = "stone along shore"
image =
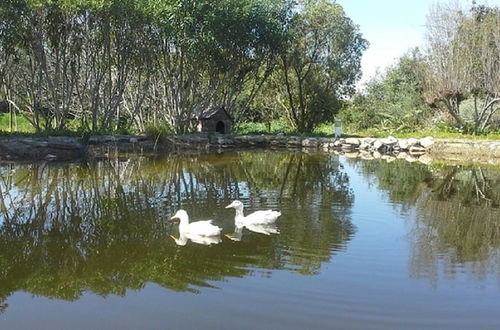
column 70, row 148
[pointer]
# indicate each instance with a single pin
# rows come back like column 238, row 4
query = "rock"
column 376, row 155
column 403, row 144
column 368, row 140
column 294, row 141
column 389, row 141
column 250, row 139
column 348, row 146
column 195, row 138
column 338, row 143
column 325, row 143
column 365, row 145
column 402, row 155
column 427, row 141
column 417, row 150
column 39, row 148
column 220, row 140
column 412, row 142
column 310, row 142
column 353, row 141
column 377, row 144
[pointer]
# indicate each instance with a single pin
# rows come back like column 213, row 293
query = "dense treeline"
column 454, row 81
column 132, row 62
column 110, row 64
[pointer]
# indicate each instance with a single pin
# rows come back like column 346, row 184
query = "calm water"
column 362, row 244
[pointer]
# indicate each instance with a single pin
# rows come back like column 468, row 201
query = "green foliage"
column 318, row 68
column 158, row 132
column 271, row 127
column 19, row 124
column 463, row 63
column 136, row 61
column 392, row 101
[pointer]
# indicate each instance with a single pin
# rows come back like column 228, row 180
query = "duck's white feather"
column 203, row 228
column 263, row 217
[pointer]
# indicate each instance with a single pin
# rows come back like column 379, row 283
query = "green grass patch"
column 19, row 124
column 273, row 127
column 327, row 129
column 419, row 134
column 22, row 127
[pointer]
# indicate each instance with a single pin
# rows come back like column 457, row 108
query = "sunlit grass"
column 19, row 124
column 327, row 129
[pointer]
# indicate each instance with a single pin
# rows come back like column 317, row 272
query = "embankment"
column 72, row 148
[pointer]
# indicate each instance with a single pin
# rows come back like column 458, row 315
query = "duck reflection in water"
column 204, row 240
column 266, row 229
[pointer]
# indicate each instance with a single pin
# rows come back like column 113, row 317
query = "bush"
column 392, row 101
column 158, row 132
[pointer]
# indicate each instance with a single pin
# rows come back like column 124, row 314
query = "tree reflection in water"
column 102, row 227
column 457, row 211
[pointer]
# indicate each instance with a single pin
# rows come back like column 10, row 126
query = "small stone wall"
column 386, row 145
column 41, row 148
column 71, row 148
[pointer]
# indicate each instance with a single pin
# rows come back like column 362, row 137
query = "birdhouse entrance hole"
column 220, row 127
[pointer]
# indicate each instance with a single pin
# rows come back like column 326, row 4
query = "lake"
column 361, row 244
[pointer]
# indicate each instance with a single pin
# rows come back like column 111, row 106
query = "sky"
column 392, row 27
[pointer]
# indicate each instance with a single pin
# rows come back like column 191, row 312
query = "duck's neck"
column 183, row 225
column 239, row 215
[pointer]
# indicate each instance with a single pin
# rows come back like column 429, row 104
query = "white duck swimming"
column 255, row 218
column 195, row 229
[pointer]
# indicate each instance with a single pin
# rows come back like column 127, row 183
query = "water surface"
column 362, row 244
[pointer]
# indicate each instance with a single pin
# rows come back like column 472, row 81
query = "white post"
column 338, row 128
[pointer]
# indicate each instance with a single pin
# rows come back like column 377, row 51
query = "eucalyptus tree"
column 108, row 62
column 321, row 64
column 210, row 53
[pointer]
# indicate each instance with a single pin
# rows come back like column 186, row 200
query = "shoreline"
column 427, row 150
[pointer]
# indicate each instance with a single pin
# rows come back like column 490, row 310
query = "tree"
column 115, row 63
column 392, row 100
column 464, row 61
column 321, row 64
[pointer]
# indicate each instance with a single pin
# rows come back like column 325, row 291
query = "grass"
column 24, row 128
column 20, row 125
column 418, row 134
column 326, row 129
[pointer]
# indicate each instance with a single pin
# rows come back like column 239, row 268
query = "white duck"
column 195, row 230
column 255, row 218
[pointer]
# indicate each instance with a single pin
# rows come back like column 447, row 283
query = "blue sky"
column 392, row 27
